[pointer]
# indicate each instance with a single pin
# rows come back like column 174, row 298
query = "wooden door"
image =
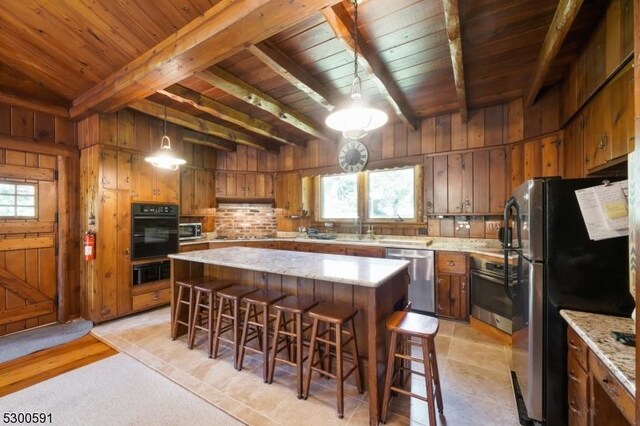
column 28, row 259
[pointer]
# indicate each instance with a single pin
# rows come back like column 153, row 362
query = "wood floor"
column 40, row 366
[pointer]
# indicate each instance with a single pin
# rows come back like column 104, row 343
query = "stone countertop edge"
column 301, row 264
column 487, row 251
column 595, row 330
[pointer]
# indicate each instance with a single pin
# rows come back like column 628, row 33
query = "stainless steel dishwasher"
column 421, row 289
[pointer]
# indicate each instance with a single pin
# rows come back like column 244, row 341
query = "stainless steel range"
column 489, row 301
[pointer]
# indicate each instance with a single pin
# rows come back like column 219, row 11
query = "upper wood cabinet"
column 244, row 185
column 149, row 183
column 470, row 182
column 288, row 191
column 197, row 194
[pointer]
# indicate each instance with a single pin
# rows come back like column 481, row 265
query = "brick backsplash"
column 245, row 221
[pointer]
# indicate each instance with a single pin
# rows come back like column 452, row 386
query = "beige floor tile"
column 463, row 331
column 479, row 354
column 482, row 383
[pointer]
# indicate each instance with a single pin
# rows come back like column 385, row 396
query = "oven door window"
column 154, row 237
column 488, row 293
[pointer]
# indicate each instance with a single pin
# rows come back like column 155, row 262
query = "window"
column 391, row 194
column 17, row 200
column 339, row 196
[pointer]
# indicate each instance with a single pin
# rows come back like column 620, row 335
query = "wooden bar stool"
column 230, row 299
column 341, row 318
column 185, row 288
column 263, row 300
column 204, row 309
column 296, row 307
column 406, row 325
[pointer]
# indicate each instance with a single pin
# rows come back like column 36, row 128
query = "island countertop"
column 360, row 271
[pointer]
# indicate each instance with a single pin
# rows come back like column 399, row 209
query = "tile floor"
column 474, row 372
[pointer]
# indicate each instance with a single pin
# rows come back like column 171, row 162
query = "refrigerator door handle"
column 512, row 204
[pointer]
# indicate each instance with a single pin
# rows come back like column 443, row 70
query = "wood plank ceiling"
column 266, row 73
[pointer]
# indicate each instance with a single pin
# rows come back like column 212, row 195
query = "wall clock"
column 353, row 156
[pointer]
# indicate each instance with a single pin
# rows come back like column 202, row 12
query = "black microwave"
column 155, row 271
column 190, row 231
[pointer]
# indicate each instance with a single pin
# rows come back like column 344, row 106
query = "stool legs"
column 178, row 310
column 434, row 373
column 388, row 377
column 428, row 381
column 312, row 356
column 299, row 347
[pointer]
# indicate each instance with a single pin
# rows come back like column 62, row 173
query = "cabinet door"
column 167, row 186
column 288, row 191
column 454, row 189
column 203, row 196
column 459, row 297
column 124, row 170
column 250, row 185
column 597, row 132
column 232, row 189
column 621, row 105
column 443, row 297
column 481, row 181
column 573, row 148
column 106, row 259
column 440, row 184
column 122, row 254
column 143, row 180
column 260, row 186
column 109, row 168
column 221, row 184
column 241, row 185
column 187, row 189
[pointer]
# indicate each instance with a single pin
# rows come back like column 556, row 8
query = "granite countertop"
column 595, row 330
column 479, row 246
column 361, row 271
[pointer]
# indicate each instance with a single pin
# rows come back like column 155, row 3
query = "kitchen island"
column 376, row 287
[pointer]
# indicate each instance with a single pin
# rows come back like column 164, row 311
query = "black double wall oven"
column 154, row 230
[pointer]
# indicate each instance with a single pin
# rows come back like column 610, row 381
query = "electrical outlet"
column 423, row 231
column 328, row 225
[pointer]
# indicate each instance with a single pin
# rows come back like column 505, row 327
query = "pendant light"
column 164, row 158
column 354, row 117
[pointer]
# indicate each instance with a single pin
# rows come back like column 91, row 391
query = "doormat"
column 26, row 342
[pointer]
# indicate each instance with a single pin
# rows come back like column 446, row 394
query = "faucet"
column 358, row 223
column 370, row 233
column 398, row 218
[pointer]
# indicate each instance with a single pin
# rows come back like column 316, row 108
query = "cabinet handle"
column 128, row 179
column 126, row 252
column 439, row 280
column 604, row 140
column 156, row 297
column 573, row 376
column 574, row 346
column 451, row 263
column 572, row 407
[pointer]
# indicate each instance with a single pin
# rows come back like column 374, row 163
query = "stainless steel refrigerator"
column 559, row 267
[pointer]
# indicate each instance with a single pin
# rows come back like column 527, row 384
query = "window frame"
column 320, row 198
column 35, row 200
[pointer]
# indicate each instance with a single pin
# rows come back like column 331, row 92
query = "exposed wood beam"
column 452, row 22
column 288, row 69
column 223, row 30
column 35, row 104
column 16, row 143
column 234, row 86
column 342, row 24
column 200, row 139
column 198, row 124
column 223, row 112
column 563, row 19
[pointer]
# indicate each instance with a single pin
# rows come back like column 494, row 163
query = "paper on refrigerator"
column 605, row 210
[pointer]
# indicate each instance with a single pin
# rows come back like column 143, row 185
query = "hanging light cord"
column 355, row 38
column 166, row 142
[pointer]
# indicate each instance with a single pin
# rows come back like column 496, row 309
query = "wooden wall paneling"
column 497, row 180
column 47, row 201
column 475, row 129
column 241, row 157
column 197, row 159
column 15, row 158
column 126, row 130
column 551, row 110
column 46, row 161
column 15, row 264
column 433, row 227
column 44, row 127
column 481, row 187
column 387, row 143
column 65, row 132
column 515, row 123
column 22, row 122
column 167, row 186
column 231, row 186
column 142, row 131
column 572, row 150
column 428, row 135
column 312, row 152
column 399, row 140
column 109, row 168
column 187, row 188
column 550, row 153
column 429, row 183
column 477, row 228
column 458, row 132
column 447, row 227
column 109, row 129
column 493, row 126
column 67, row 239
column 106, row 246
column 46, row 272
column 125, row 160
column 595, row 58
column 231, row 162
column 627, row 11
column 532, row 159
column 440, row 184
column 443, row 133
column 5, row 119
column 613, row 36
column 3, row 295
column 89, row 131
column 252, row 159
column 454, row 184
column 533, row 120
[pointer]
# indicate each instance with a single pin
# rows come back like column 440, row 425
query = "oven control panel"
column 155, row 209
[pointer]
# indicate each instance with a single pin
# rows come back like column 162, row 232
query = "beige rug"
column 115, row 391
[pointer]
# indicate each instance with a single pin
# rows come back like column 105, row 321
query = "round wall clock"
column 353, row 156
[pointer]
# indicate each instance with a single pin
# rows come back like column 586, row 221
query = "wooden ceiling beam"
column 560, row 25
column 234, row 86
column 452, row 22
column 342, row 24
column 223, row 30
column 206, row 140
column 34, row 104
column 288, row 69
column 198, row 124
column 223, row 112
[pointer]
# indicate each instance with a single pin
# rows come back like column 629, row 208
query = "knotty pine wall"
column 42, row 254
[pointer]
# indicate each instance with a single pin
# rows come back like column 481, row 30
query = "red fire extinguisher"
column 89, row 246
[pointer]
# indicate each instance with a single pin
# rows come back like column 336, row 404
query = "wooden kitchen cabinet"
column 149, row 183
column 452, row 285
column 197, row 196
column 193, row 247
column 244, row 185
column 288, row 191
column 364, row 251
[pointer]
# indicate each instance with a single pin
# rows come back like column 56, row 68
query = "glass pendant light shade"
column 354, row 118
column 164, row 158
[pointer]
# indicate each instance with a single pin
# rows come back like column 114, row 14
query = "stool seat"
column 296, row 304
column 196, row 280
column 411, row 323
column 236, row 292
column 333, row 313
column 264, row 297
column 213, row 285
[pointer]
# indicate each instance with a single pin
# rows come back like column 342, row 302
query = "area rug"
column 26, row 342
column 115, row 391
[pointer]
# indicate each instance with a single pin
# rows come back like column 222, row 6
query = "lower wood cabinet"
column 151, row 299
column 193, row 247
column 452, row 285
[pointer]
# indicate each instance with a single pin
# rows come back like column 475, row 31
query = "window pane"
column 7, row 211
column 7, row 200
column 26, row 200
column 26, row 211
column 6, row 188
column 26, row 189
column 340, row 196
column 392, row 194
